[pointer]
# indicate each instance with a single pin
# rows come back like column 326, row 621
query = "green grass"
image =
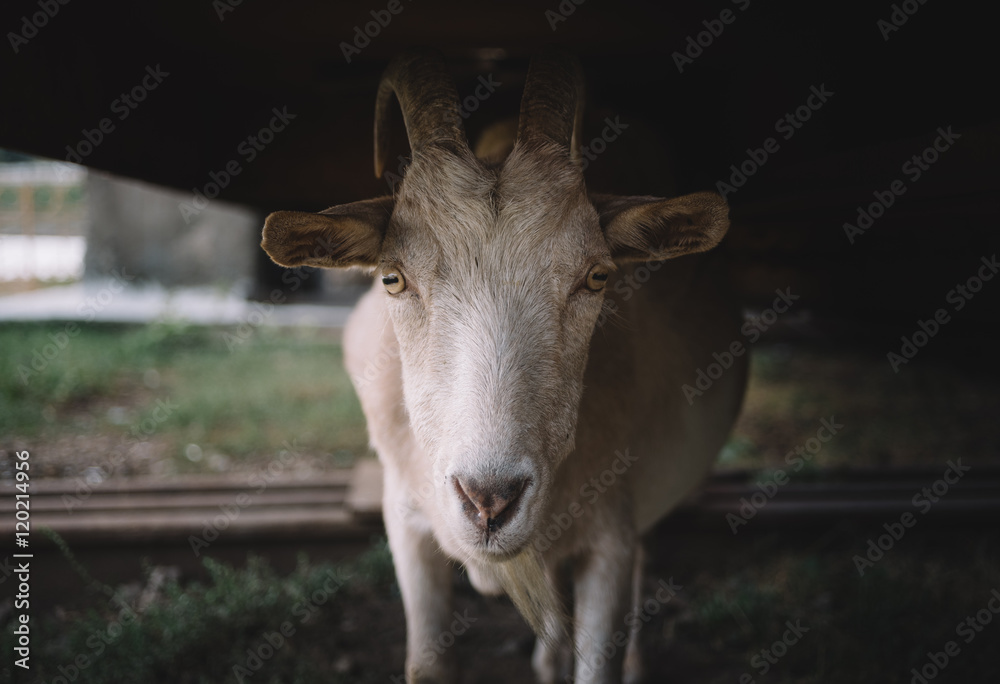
column 924, row 415
column 200, row 633
column 239, row 404
column 177, row 386
column 873, row 628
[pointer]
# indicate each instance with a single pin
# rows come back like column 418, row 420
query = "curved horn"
column 428, row 99
column 552, row 104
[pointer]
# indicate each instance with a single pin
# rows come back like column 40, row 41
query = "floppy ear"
column 653, row 228
column 345, row 235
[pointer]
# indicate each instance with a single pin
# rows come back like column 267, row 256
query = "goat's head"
column 494, row 278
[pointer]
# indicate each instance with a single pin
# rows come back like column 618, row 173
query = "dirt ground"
column 735, row 601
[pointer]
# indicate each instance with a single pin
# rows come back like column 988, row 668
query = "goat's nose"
column 489, row 503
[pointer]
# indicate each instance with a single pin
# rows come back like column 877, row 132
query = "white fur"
column 490, row 364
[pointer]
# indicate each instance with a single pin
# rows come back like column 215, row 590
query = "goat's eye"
column 597, row 278
column 394, row 282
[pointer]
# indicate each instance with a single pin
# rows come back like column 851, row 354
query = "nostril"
column 491, row 503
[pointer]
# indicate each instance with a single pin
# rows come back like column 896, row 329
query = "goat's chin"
column 523, row 578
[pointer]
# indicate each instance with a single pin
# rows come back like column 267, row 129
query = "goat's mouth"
column 499, row 546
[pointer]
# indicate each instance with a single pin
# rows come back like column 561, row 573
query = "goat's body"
column 641, row 447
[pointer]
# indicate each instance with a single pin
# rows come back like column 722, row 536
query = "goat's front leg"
column 603, row 591
column 425, row 581
column 634, row 672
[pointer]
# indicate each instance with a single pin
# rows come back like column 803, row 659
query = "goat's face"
column 493, row 281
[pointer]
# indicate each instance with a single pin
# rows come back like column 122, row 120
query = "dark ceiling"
column 230, row 65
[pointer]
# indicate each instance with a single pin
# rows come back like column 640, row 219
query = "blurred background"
column 157, row 366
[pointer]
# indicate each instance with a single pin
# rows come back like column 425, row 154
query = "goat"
column 498, row 414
